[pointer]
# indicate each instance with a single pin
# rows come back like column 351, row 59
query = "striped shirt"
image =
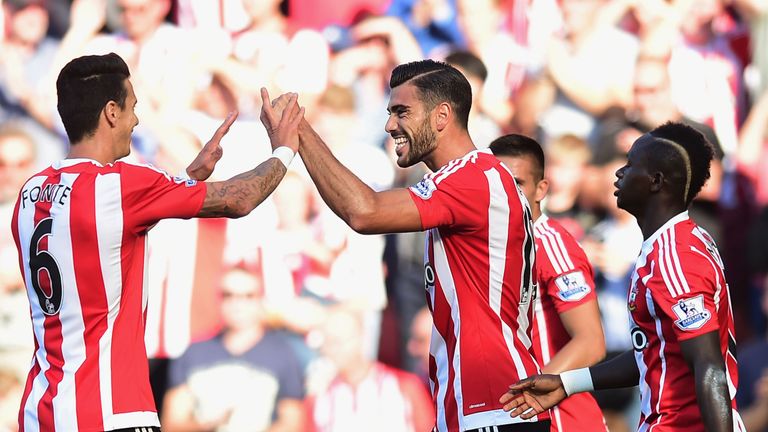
column 678, row 292
column 565, row 281
column 479, row 274
column 80, row 229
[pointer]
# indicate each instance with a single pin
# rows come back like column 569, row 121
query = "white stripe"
column 461, row 163
column 444, row 275
column 109, row 229
column 668, row 263
column 678, row 269
column 131, row 419
column 70, row 314
column 437, row 177
column 541, row 325
column 560, row 246
column 558, row 423
column 662, row 356
column 26, row 226
column 545, row 241
column 498, row 228
column 719, row 288
column 663, row 268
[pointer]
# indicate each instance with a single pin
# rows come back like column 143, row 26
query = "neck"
column 238, row 341
column 449, row 147
column 93, row 148
column 655, row 215
column 536, row 211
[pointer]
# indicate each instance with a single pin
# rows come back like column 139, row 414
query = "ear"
column 443, row 115
column 111, row 113
column 657, row 181
column 542, row 187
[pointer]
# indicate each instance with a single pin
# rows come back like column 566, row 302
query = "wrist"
column 577, row 381
column 284, row 154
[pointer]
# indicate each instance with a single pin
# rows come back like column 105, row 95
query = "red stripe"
column 444, row 321
column 52, row 337
column 27, row 389
column 90, row 287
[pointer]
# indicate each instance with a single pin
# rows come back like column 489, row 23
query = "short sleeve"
column 574, row 285
column 455, row 201
column 178, row 370
column 684, row 290
column 150, row 195
column 290, row 376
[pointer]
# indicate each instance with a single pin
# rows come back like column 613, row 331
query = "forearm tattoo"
column 239, row 195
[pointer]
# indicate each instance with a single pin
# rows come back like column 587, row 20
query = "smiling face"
column 633, row 184
column 410, row 125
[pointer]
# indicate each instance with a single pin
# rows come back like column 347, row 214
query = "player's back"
column 80, row 229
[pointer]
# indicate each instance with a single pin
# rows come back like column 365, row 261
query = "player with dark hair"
column 80, row 227
column 479, row 251
column 567, row 333
column 682, row 325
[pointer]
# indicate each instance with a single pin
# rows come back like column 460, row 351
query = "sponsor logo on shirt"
column 572, row 286
column 424, row 188
column 691, row 312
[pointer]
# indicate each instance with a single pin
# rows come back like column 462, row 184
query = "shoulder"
column 472, row 170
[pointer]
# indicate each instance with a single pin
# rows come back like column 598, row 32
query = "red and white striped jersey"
column 479, row 278
column 386, row 399
column 678, row 292
column 80, row 229
column 565, row 281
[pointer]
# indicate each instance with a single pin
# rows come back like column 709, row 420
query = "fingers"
column 225, row 125
column 290, row 110
column 521, row 385
column 267, row 113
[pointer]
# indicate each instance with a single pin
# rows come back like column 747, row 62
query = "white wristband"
column 577, row 381
column 284, row 154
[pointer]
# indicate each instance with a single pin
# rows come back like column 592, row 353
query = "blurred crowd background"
column 288, row 320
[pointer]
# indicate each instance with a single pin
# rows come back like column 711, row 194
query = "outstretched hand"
column 281, row 118
column 202, row 167
column 533, row 396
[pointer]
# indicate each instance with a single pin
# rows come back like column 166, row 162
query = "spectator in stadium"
column 80, row 226
column 479, row 252
column 682, row 324
column 567, row 333
column 212, row 384
column 417, row 346
column 753, row 365
column 364, row 391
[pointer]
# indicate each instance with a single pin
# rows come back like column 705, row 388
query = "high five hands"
column 281, row 118
column 533, row 396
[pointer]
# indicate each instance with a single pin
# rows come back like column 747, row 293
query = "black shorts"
column 540, row 426
column 138, row 429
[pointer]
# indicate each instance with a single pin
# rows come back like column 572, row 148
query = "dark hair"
column 84, row 86
column 436, row 82
column 671, row 162
column 470, row 63
column 515, row 145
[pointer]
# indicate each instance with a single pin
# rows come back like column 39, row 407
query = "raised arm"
column 702, row 353
column 239, row 195
column 363, row 209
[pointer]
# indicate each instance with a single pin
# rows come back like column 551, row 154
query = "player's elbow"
column 360, row 223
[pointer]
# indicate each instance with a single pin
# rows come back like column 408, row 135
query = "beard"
column 419, row 145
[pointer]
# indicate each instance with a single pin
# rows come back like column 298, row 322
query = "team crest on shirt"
column 424, row 188
column 691, row 313
column 572, row 287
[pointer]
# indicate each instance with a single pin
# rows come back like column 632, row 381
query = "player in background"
column 80, row 227
column 567, row 333
column 479, row 250
column 681, row 318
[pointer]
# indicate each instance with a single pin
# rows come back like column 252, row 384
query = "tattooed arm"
column 241, row 194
